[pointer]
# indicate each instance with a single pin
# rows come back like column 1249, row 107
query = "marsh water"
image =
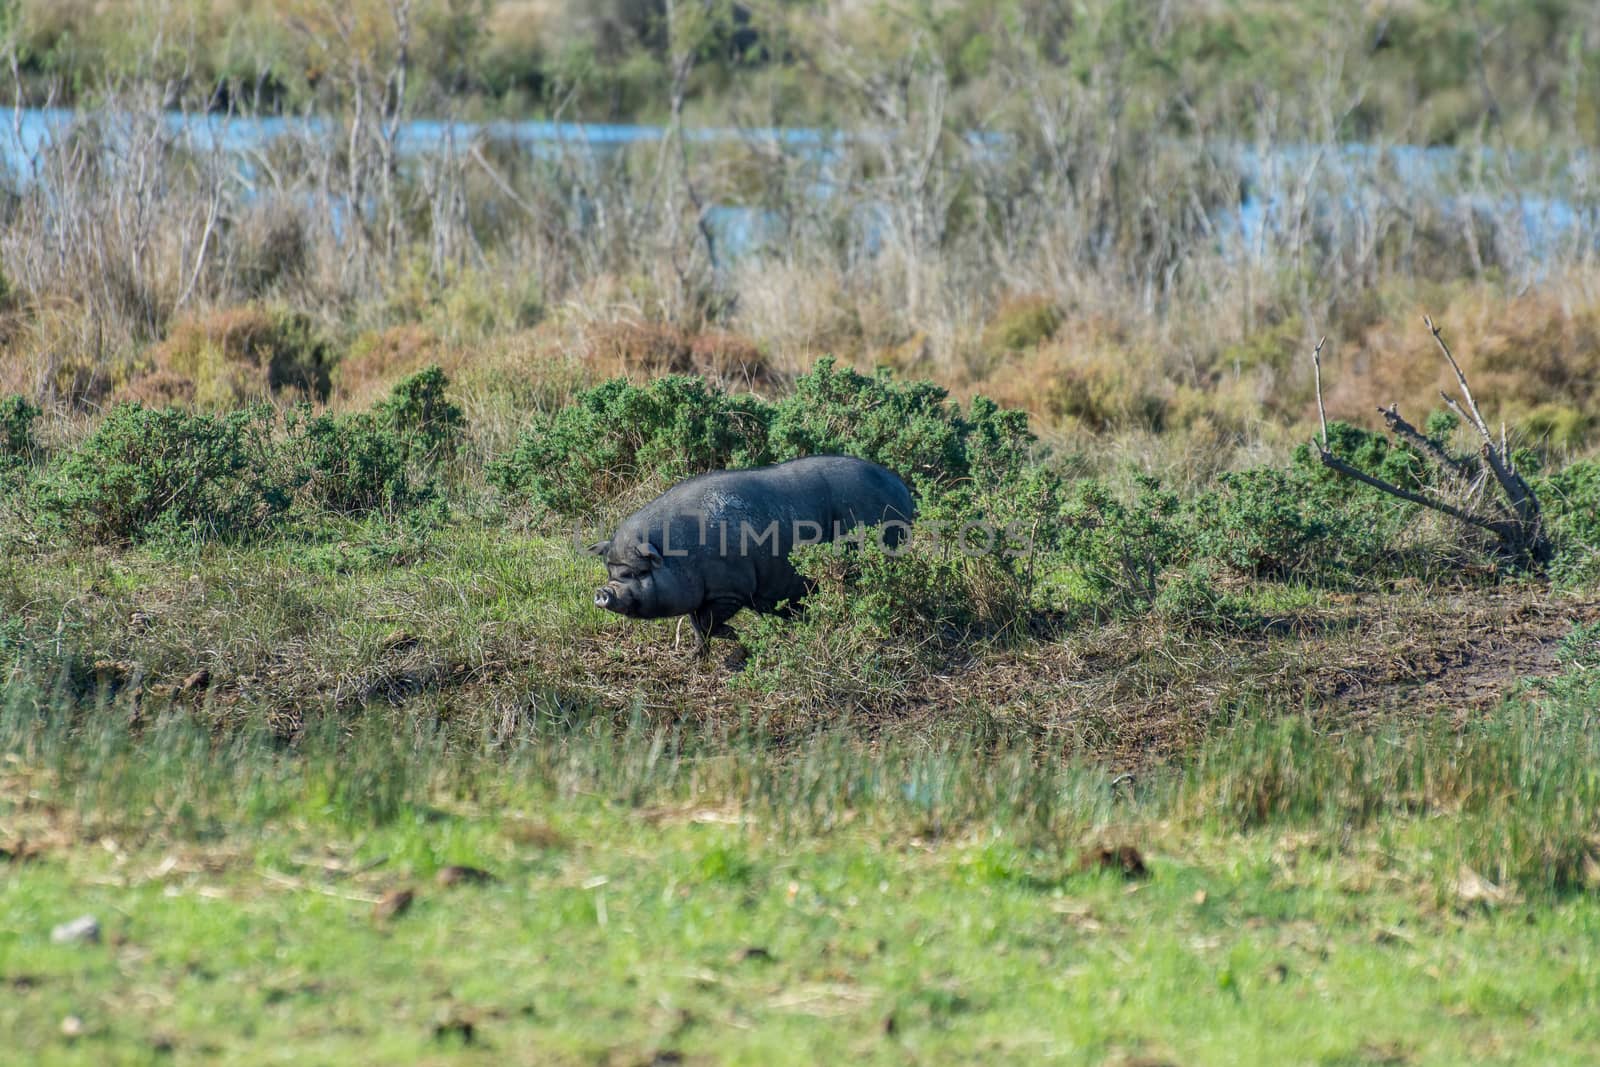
column 1546, row 205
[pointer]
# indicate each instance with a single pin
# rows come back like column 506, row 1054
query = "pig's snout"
column 614, row 596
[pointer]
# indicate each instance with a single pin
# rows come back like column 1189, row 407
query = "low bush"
column 1571, row 499
column 1263, row 523
column 150, row 473
column 17, row 416
column 619, row 435
column 386, row 459
column 848, row 648
column 1373, row 453
column 147, row 474
column 1192, row 601
column 1283, row 525
column 417, row 410
column 354, row 463
column 912, row 428
column 1119, row 549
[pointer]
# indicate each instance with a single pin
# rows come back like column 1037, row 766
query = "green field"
column 699, row 926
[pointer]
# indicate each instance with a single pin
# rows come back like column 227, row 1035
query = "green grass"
column 659, row 891
column 630, row 939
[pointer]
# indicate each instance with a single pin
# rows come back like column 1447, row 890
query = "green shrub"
column 1441, row 425
column 617, row 435
column 428, row 422
column 153, row 473
column 999, row 444
column 1571, row 502
column 1282, row 525
column 848, row 648
column 1262, row 523
column 354, row 464
column 386, row 459
column 911, row 428
column 145, row 474
column 1371, row 453
column 17, row 416
column 1193, row 601
column 1120, row 549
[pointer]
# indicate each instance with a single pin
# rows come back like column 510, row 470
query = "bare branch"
column 1461, row 380
column 1517, row 492
column 1322, row 412
column 1402, row 429
column 1518, row 527
column 205, row 243
column 1333, row 462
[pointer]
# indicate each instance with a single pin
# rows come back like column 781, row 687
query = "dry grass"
column 1086, row 380
column 379, row 359
column 56, row 351
column 490, row 644
column 798, row 313
column 1137, row 693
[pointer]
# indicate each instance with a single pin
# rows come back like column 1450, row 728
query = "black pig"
column 720, row 542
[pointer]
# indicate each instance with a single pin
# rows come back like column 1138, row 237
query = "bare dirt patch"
column 1459, row 658
column 1138, row 693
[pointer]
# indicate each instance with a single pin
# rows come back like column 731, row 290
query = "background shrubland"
column 1120, row 221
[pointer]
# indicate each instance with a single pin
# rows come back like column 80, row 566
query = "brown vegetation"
column 634, row 349
column 157, row 389
column 239, row 354
column 379, row 359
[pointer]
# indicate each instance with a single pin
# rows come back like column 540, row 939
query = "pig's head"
column 642, row 584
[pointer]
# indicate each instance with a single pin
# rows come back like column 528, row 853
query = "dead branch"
column 1333, row 462
column 1461, row 378
column 1322, row 412
column 1515, row 522
column 1460, row 467
column 1517, row 492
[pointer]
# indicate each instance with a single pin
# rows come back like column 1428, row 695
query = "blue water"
column 1355, row 178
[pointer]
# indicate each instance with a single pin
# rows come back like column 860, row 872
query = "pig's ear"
column 599, row 548
column 649, row 552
